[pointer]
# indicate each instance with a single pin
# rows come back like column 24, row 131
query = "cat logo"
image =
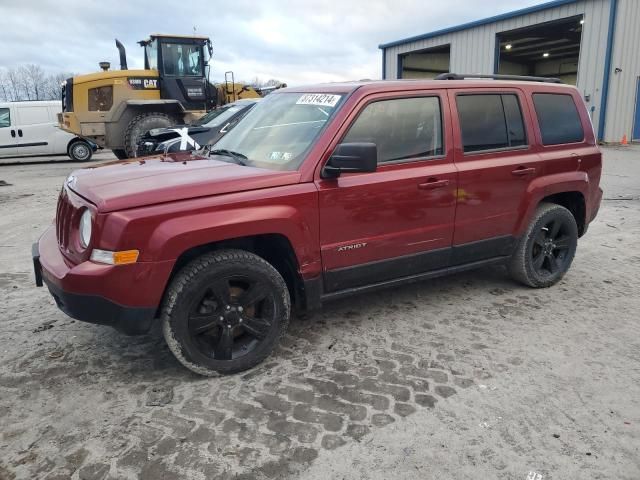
column 143, row 83
column 353, row 246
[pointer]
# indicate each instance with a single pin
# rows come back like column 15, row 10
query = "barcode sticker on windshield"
column 319, row 99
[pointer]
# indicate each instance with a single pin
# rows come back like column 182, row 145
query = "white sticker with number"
column 319, row 99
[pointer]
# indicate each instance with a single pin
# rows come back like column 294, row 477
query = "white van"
column 31, row 129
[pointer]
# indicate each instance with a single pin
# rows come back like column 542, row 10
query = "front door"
column 397, row 221
column 496, row 163
column 636, row 121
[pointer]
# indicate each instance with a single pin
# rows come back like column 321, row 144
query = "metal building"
column 593, row 44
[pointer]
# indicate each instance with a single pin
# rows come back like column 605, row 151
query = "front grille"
column 70, row 208
column 64, row 214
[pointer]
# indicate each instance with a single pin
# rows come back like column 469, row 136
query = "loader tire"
column 140, row 125
column 120, row 154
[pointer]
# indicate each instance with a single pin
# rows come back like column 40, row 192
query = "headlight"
column 85, row 228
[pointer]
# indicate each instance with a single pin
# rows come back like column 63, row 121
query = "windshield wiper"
column 238, row 157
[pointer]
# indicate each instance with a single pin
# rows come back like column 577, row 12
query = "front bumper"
column 92, row 305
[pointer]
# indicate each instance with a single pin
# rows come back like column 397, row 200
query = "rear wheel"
column 140, row 125
column 80, row 151
column 225, row 312
column 120, row 154
column 546, row 251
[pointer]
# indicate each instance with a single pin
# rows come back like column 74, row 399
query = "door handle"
column 19, row 132
column 13, row 133
column 522, row 171
column 433, row 183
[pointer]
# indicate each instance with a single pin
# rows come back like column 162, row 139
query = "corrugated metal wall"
column 623, row 86
column 473, row 50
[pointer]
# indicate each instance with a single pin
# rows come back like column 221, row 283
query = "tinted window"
column 558, row 118
column 402, row 129
column 515, row 126
column 489, row 122
column 5, row 117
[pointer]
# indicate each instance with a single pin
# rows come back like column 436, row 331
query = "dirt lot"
column 466, row 377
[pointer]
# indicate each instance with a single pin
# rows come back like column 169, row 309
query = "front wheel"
column 225, row 312
column 546, row 250
column 120, row 154
column 140, row 125
column 80, row 151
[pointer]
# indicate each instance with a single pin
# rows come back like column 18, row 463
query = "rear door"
column 8, row 134
column 397, row 221
column 34, row 129
column 496, row 159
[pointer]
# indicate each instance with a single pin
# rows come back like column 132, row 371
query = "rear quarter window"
column 558, row 118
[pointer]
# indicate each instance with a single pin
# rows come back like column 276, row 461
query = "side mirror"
column 351, row 157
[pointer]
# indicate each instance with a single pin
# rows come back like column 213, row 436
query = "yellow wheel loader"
column 114, row 108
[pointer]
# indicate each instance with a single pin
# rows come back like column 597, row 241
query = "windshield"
column 278, row 132
column 220, row 115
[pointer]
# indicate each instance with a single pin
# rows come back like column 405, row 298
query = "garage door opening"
column 547, row 50
column 424, row 63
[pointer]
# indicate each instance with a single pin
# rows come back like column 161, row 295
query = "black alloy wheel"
column 550, row 248
column 546, row 250
column 225, row 312
column 232, row 316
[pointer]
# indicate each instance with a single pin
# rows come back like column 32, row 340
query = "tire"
column 140, row 125
column 545, row 252
column 120, row 154
column 80, row 151
column 209, row 321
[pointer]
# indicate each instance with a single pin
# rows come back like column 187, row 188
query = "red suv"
column 322, row 192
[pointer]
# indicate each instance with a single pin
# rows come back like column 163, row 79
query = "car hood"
column 152, row 180
column 171, row 132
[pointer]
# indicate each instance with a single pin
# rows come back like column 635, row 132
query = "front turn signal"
column 123, row 257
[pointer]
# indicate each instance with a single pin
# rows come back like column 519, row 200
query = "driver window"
column 182, row 59
column 5, row 118
column 402, row 129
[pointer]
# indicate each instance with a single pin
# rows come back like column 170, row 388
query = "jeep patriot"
column 322, row 192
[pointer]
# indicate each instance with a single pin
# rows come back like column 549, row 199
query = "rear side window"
column 558, row 118
column 5, row 117
column 402, row 129
column 490, row 122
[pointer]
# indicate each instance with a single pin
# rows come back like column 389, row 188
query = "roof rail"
column 522, row 78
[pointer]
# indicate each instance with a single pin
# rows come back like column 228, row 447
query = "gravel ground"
column 464, row 377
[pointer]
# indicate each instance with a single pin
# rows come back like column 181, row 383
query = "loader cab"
column 181, row 62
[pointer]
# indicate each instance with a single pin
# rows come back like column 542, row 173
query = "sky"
column 297, row 42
